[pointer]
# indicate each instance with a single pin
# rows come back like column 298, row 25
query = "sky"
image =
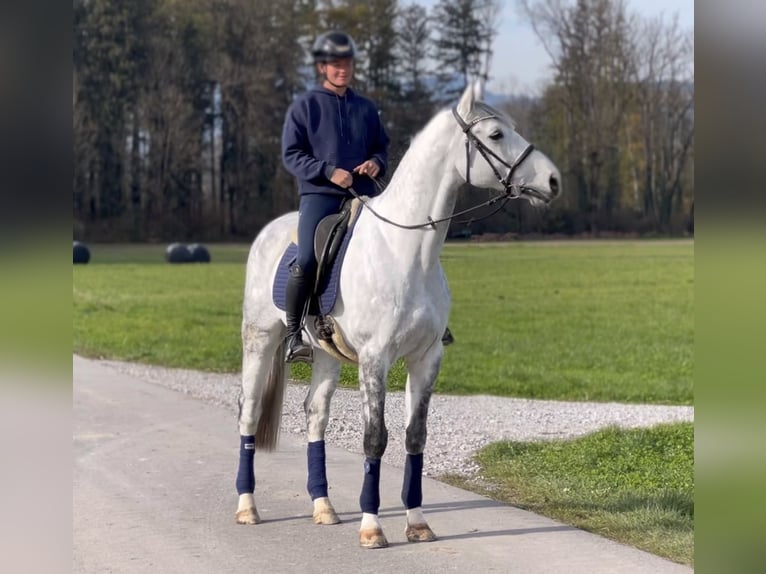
column 520, row 63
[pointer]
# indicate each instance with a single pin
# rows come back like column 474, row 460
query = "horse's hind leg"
column 260, row 403
column 421, row 378
column 325, row 372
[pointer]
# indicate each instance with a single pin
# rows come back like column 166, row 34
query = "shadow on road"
column 436, row 507
column 508, row 532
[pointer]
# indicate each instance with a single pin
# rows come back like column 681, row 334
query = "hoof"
column 326, row 516
column 248, row 516
column 419, row 533
column 372, row 538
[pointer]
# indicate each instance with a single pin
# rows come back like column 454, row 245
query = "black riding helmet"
column 333, row 46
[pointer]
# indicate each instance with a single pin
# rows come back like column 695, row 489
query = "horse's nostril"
column 554, row 185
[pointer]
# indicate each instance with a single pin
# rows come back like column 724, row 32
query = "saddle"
column 331, row 239
column 330, row 242
column 328, row 238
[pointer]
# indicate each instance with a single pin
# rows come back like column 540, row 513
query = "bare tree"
column 589, row 42
column 664, row 79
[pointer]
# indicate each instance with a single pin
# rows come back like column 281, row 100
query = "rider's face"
column 338, row 72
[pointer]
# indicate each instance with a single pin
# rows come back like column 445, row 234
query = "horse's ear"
column 478, row 89
column 466, row 100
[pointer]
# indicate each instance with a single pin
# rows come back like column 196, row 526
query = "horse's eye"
column 496, row 135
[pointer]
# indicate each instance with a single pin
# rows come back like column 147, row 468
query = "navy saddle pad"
column 327, row 293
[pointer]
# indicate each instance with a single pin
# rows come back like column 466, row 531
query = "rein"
column 486, row 153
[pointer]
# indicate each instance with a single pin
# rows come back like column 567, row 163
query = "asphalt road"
column 153, row 491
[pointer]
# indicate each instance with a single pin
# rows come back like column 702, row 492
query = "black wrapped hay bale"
column 80, row 253
column 177, row 253
column 199, row 253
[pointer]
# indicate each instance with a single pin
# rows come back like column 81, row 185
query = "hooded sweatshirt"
column 323, row 131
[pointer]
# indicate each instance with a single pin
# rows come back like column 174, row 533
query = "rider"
column 332, row 139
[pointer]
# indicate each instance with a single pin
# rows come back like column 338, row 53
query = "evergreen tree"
column 464, row 32
column 414, row 105
column 109, row 64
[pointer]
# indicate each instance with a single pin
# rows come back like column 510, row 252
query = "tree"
column 464, row 32
column 412, row 47
column 261, row 55
column 664, row 80
column 109, row 61
column 411, row 106
column 178, row 107
column 589, row 43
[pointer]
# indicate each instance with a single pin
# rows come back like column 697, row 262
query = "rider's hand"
column 342, row 178
column 370, row 167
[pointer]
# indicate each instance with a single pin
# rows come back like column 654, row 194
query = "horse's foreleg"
column 372, row 384
column 421, row 379
column 258, row 347
column 325, row 372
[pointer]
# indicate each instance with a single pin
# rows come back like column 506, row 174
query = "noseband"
column 511, row 190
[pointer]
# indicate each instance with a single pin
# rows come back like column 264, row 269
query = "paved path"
column 153, row 490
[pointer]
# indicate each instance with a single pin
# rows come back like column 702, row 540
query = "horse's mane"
column 426, row 140
column 480, row 109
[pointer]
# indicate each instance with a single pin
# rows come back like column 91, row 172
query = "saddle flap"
column 328, row 236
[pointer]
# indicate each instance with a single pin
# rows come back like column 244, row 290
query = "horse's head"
column 497, row 157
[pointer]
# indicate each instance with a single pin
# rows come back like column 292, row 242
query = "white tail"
column 267, row 432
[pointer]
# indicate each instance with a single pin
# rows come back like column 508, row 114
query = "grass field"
column 606, row 321
column 635, row 486
column 582, row 321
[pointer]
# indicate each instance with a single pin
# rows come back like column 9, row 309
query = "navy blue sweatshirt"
column 323, row 131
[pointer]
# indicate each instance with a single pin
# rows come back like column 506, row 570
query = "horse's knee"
column 416, row 433
column 375, row 440
column 415, row 439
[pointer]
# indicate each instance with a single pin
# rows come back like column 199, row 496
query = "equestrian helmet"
column 333, row 46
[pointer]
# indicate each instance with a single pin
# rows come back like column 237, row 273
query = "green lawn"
column 634, row 486
column 581, row 321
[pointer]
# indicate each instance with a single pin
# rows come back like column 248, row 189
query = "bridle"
column 470, row 138
column 511, row 191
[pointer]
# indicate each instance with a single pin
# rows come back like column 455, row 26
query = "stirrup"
column 298, row 351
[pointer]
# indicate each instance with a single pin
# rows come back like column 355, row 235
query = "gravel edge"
column 458, row 426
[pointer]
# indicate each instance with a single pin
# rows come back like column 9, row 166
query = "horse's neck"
column 424, row 185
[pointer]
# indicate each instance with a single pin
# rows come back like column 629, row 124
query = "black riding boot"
column 296, row 296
